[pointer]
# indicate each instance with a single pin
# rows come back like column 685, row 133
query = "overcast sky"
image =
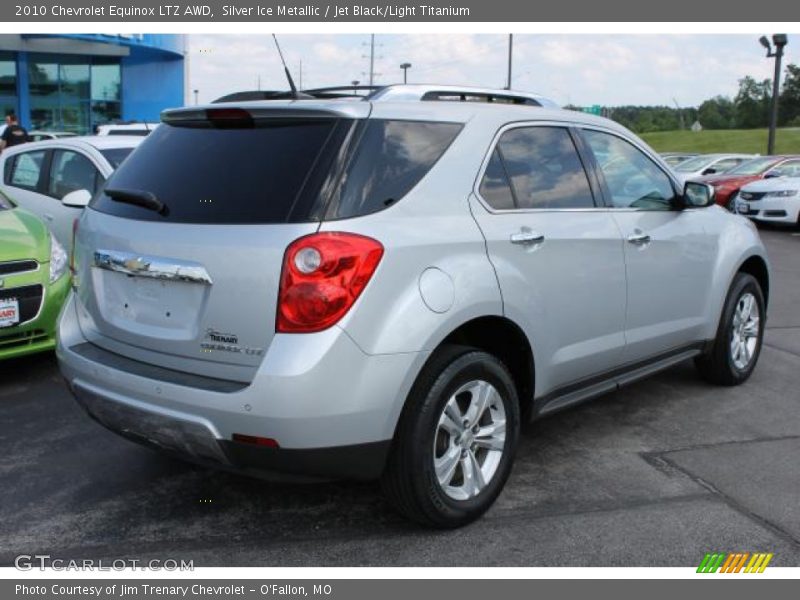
column 579, row 69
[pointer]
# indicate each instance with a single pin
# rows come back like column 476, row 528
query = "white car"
column 774, row 200
column 141, row 129
column 38, row 136
column 709, row 164
column 55, row 179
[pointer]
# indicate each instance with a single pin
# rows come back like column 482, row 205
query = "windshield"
column 694, row 164
column 115, row 156
column 753, row 167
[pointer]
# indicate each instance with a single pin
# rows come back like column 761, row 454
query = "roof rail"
column 400, row 93
column 452, row 93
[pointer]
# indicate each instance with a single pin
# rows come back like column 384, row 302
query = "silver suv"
column 385, row 287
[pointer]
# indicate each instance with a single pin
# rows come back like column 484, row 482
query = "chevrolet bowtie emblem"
column 136, row 264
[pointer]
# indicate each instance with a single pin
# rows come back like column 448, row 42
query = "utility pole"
column 300, row 78
column 680, row 114
column 510, row 54
column 371, row 58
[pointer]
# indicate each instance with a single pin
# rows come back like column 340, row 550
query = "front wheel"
column 739, row 336
column 456, row 439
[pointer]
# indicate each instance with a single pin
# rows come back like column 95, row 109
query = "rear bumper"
column 197, row 440
column 331, row 407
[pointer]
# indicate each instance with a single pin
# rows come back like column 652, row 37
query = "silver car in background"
column 385, row 287
column 709, row 164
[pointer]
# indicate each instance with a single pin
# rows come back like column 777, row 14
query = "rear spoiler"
column 275, row 110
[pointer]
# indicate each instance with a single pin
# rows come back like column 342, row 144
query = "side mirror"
column 697, row 195
column 709, row 171
column 77, row 199
column 772, row 174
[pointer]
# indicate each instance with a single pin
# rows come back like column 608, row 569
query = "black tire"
column 731, row 205
column 409, row 481
column 718, row 365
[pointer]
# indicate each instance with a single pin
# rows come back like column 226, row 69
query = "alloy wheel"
column 470, row 440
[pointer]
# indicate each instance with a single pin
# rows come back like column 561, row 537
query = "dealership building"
column 76, row 82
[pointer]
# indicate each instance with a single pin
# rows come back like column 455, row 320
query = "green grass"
column 787, row 141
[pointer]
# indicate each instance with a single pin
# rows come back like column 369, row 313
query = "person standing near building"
column 14, row 133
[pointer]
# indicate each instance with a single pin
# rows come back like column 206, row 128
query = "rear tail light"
column 323, row 275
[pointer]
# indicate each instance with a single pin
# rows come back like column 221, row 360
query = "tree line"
column 749, row 109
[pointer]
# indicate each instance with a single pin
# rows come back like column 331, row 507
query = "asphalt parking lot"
column 655, row 475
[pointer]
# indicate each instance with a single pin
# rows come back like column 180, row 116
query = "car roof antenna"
column 295, row 95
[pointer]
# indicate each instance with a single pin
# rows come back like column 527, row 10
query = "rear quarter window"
column 390, row 159
column 24, row 170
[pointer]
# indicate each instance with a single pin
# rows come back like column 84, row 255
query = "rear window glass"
column 223, row 175
column 391, row 158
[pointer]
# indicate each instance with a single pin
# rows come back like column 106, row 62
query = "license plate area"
column 9, row 312
column 148, row 306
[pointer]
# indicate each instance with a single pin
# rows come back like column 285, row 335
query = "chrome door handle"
column 527, row 237
column 638, row 239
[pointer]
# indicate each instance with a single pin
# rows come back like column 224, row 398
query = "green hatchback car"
column 34, row 282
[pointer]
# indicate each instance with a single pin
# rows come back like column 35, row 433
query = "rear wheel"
column 739, row 336
column 455, row 443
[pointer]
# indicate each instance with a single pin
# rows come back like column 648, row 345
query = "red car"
column 727, row 185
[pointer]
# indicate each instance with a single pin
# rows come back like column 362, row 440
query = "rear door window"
column 260, row 173
column 544, row 169
column 71, row 171
column 391, row 158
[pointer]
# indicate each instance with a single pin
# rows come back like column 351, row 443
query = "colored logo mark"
column 735, row 562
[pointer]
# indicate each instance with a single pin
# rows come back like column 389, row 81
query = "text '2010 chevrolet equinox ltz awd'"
column 385, row 286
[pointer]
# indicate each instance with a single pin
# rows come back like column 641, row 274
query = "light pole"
column 405, row 67
column 510, row 54
column 780, row 40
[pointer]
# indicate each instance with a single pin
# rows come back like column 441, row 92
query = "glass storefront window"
column 106, row 93
column 69, row 93
column 8, row 84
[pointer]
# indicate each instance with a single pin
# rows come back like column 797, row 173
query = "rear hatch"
column 178, row 259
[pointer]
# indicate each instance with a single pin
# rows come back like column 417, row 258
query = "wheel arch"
column 503, row 338
column 756, row 266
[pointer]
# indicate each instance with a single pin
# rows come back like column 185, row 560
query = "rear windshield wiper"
column 139, row 198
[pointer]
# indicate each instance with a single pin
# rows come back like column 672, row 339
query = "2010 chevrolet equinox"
column 385, row 286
